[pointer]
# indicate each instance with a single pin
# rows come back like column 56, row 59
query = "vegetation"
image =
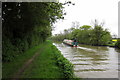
column 86, row 35
column 12, row 67
column 50, row 63
column 118, row 43
column 27, row 24
column 63, row 63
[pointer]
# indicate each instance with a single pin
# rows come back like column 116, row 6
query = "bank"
column 43, row 61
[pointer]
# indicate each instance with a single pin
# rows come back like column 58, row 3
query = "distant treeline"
column 118, row 43
column 26, row 24
column 97, row 35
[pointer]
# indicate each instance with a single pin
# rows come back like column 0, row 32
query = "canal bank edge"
column 65, row 65
column 54, row 59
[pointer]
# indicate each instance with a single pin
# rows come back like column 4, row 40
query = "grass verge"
column 63, row 63
column 10, row 68
column 50, row 63
column 44, row 65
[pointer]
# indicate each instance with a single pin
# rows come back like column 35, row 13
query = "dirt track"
column 17, row 75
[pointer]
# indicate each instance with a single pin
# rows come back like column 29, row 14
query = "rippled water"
column 92, row 61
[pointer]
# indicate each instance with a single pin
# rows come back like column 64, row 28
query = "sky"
column 86, row 11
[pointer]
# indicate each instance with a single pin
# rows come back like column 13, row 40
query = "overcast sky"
column 86, row 11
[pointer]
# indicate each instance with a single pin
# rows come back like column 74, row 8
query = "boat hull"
column 70, row 42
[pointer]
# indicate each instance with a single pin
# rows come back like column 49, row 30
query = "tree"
column 88, row 35
column 75, row 24
column 27, row 24
column 100, row 36
column 85, row 27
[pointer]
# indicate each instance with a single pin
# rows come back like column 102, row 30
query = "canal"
column 92, row 61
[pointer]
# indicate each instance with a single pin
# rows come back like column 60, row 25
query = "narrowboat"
column 70, row 42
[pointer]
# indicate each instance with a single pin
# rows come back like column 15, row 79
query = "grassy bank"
column 50, row 63
column 10, row 68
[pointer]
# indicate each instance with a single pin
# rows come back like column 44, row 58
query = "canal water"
column 92, row 61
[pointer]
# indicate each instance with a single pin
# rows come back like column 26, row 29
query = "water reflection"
column 92, row 61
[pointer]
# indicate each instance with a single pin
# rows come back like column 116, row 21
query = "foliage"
column 100, row 36
column 66, row 66
column 85, row 27
column 118, row 43
column 87, row 35
column 49, row 63
column 26, row 24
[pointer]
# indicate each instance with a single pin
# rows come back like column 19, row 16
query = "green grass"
column 49, row 63
column 44, row 65
column 10, row 68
